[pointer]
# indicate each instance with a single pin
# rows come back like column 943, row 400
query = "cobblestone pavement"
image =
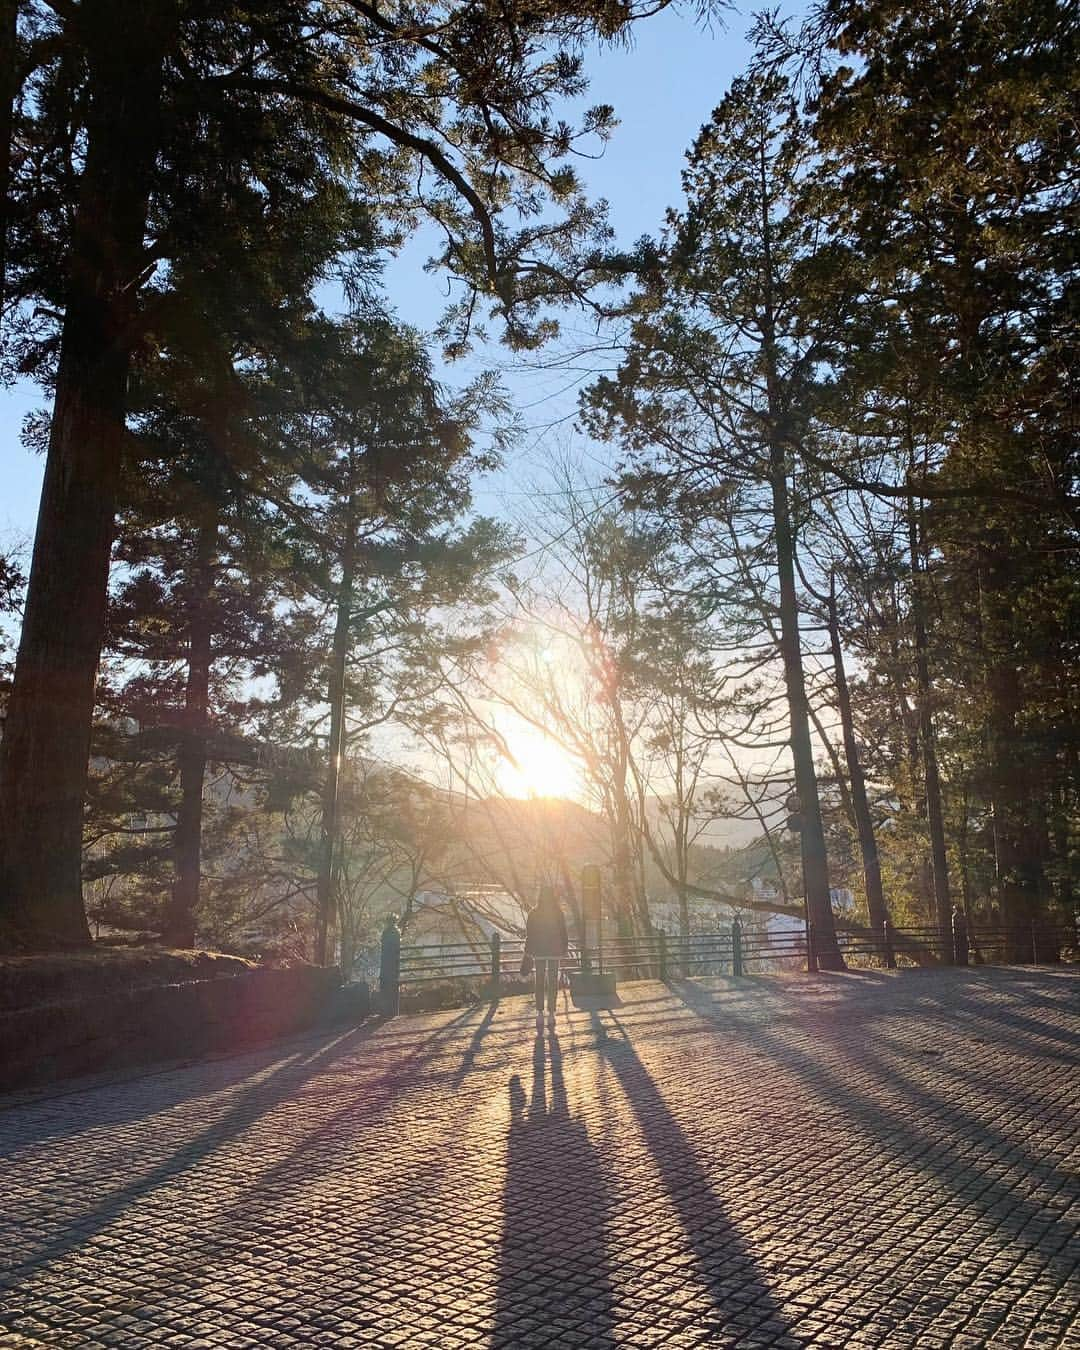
column 869, row 1159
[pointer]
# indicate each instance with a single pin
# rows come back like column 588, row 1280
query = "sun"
column 540, row 766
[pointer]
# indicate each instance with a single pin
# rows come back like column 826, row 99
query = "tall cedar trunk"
column 1017, row 863
column 1061, row 832
column 966, row 896
column 935, row 818
column 187, row 841
column 9, row 89
column 907, row 718
column 46, row 745
column 864, row 825
column 812, row 835
column 335, row 751
column 815, row 863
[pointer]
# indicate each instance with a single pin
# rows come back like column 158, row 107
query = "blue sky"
column 663, row 88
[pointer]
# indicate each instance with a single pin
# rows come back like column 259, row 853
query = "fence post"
column 959, row 938
column 887, row 943
column 390, row 969
column 496, row 962
column 811, row 950
column 663, row 955
column 736, row 948
column 1034, row 945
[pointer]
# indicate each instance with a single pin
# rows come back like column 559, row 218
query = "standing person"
column 546, row 943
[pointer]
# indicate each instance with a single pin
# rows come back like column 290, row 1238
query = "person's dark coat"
column 545, row 933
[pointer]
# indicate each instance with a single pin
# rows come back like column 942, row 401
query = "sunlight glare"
column 542, row 769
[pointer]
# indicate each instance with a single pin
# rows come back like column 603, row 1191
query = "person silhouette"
column 546, row 942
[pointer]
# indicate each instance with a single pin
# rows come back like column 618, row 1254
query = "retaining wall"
column 103, row 1026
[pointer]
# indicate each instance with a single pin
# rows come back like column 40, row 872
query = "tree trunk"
column 814, row 857
column 684, row 908
column 864, row 825
column 1017, row 860
column 187, row 841
column 622, row 868
column 629, row 887
column 815, row 863
column 965, row 870
column 935, row 816
column 681, row 826
column 335, row 752
column 682, row 871
column 1061, row 832
column 46, row 744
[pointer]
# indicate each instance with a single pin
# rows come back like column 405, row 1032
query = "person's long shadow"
column 726, row 1269
column 554, row 1265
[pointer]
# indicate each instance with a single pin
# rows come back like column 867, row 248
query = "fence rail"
column 734, row 951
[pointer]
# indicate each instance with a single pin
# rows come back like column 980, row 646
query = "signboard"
column 590, row 892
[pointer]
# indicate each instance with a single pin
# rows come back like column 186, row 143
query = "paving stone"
column 876, row 1159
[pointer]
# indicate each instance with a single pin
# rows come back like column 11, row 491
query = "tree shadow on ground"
column 468, row 1059
column 134, row 1092
column 554, row 1272
column 744, row 1304
column 252, row 1103
column 962, row 1004
column 1053, row 987
column 924, row 1130
column 959, row 999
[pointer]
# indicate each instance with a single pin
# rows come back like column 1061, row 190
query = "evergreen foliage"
column 842, row 562
column 153, row 138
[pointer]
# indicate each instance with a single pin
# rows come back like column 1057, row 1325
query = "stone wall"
column 88, row 1026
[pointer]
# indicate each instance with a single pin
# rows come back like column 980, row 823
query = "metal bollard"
column 390, row 969
column 736, row 948
column 496, row 963
column 811, row 950
column 662, row 936
column 887, row 943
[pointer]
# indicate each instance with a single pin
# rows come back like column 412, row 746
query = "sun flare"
column 540, row 767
